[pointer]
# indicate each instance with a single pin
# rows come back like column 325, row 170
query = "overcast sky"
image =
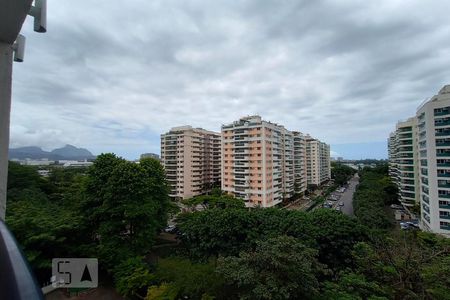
column 111, row 76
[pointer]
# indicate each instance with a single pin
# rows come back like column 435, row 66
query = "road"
column 347, row 196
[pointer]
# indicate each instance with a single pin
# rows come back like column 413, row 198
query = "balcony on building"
column 438, row 122
column 441, row 111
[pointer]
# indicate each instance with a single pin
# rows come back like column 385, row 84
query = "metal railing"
column 16, row 279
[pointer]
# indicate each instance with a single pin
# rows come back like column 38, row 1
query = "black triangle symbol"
column 86, row 275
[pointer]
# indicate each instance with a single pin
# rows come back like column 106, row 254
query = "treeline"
column 374, row 192
column 340, row 173
column 237, row 253
column 112, row 211
column 115, row 210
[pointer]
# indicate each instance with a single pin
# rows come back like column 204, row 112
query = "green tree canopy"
column 279, row 268
column 126, row 205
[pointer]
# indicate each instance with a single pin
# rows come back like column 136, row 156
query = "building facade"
column 392, row 155
column 191, row 158
column 300, row 175
column 318, row 168
column 433, row 121
column 264, row 163
column 419, row 162
column 252, row 169
column 403, row 159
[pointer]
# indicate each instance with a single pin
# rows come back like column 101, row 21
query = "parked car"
column 396, row 206
column 170, row 229
column 341, row 203
column 414, row 224
column 404, row 226
column 409, row 225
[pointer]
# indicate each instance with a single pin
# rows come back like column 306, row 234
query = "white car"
column 169, row 228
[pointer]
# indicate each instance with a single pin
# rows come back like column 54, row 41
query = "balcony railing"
column 17, row 282
column 442, row 113
column 443, row 123
column 442, row 144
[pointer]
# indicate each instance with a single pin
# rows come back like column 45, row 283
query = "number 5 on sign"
column 75, row 272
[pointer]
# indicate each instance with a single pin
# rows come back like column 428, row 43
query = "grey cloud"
column 113, row 76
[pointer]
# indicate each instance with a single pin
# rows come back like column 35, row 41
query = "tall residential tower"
column 433, row 120
column 264, row 163
column 403, row 159
column 191, row 158
column 318, row 168
column 419, row 162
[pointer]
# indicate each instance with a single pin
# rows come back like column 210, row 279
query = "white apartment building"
column 191, row 158
column 318, row 168
column 392, row 149
column 403, row 160
column 433, row 121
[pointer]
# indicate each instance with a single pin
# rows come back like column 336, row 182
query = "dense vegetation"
column 115, row 209
column 112, row 211
column 375, row 191
column 340, row 173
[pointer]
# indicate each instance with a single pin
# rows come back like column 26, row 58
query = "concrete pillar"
column 6, row 58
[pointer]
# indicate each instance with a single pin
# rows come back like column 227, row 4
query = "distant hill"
column 72, row 152
column 68, row 152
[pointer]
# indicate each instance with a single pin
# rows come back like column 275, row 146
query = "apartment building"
column 264, row 163
column 287, row 163
column 433, row 121
column 404, row 161
column 252, row 168
column 392, row 155
column 419, row 162
column 300, row 175
column 318, row 168
column 191, row 158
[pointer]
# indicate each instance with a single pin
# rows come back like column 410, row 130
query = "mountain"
column 72, row 152
column 67, row 152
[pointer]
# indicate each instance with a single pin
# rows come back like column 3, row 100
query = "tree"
column 21, row 177
column 335, row 235
column 406, row 264
column 133, row 277
column 374, row 191
column 228, row 231
column 44, row 228
column 352, row 286
column 159, row 190
column 214, row 201
column 341, row 173
column 279, row 268
column 187, row 279
column 125, row 206
column 162, row 292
